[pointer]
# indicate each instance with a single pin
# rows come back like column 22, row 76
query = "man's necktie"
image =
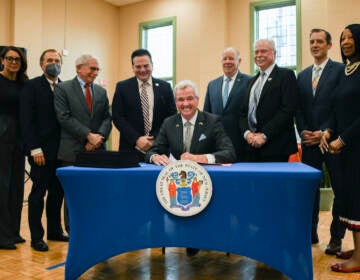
column 316, row 78
column 145, row 108
column 187, row 136
column 225, row 94
column 88, row 97
column 253, row 102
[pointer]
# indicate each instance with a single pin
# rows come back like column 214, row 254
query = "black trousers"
column 12, row 169
column 44, row 179
column 313, row 157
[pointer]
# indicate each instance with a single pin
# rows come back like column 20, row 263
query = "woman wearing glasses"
column 12, row 78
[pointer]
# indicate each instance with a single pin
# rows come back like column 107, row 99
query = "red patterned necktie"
column 88, row 96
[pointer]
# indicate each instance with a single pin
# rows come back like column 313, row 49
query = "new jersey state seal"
column 184, row 188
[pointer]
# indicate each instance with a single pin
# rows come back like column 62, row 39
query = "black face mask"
column 53, row 70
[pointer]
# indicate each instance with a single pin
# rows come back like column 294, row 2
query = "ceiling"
column 122, row 2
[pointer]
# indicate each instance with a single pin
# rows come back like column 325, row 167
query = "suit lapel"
column 234, row 88
column 267, row 84
column 80, row 95
column 198, row 130
column 178, row 130
column 324, row 75
column 218, row 88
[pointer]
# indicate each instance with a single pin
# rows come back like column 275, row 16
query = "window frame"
column 144, row 26
column 269, row 4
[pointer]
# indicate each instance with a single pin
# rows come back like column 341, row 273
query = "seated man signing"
column 191, row 134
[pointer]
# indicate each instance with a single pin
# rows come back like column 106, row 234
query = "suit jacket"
column 209, row 137
column 230, row 114
column 75, row 119
column 127, row 110
column 315, row 110
column 39, row 124
column 275, row 113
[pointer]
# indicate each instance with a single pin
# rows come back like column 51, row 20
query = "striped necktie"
column 187, row 136
column 316, row 78
column 145, row 108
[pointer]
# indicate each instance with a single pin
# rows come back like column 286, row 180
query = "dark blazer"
column 209, row 137
column 275, row 113
column 230, row 114
column 127, row 111
column 40, row 128
column 314, row 111
column 75, row 119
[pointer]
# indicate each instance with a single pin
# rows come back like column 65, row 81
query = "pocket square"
column 202, row 137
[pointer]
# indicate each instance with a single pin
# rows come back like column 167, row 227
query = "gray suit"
column 75, row 119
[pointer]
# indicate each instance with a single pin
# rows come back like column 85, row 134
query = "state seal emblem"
column 184, row 188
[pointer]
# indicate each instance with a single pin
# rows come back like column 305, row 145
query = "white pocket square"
column 202, row 137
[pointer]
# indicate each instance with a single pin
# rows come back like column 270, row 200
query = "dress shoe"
column 333, row 247
column 60, row 237
column 339, row 267
column 40, row 245
column 9, row 246
column 314, row 238
column 19, row 239
column 190, row 252
column 345, row 255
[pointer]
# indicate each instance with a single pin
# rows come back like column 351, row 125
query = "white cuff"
column 36, row 152
column 210, row 158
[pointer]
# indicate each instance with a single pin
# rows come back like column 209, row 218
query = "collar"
column 269, row 70
column 192, row 120
column 322, row 65
column 50, row 81
column 82, row 83
column 141, row 82
column 232, row 78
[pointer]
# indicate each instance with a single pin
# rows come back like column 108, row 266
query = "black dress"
column 347, row 124
column 11, row 162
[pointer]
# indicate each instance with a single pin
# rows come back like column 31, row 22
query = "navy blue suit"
column 314, row 111
column 127, row 111
column 230, row 114
column 41, row 129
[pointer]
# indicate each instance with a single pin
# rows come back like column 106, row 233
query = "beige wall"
column 204, row 29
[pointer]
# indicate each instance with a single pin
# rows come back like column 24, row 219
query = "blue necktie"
column 225, row 94
column 253, row 102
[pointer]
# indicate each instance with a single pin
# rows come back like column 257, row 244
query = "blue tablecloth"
column 259, row 210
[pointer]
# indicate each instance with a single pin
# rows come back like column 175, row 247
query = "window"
column 278, row 20
column 159, row 38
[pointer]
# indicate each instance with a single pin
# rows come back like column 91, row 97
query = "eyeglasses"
column 93, row 69
column 12, row 59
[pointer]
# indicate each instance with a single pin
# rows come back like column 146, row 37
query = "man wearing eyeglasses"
column 41, row 133
column 82, row 109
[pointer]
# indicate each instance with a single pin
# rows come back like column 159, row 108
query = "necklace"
column 350, row 68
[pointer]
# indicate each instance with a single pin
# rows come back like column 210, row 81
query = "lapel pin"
column 156, row 84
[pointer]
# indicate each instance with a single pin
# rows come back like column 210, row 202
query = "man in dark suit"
column 266, row 119
column 316, row 84
column 191, row 135
column 204, row 141
column 41, row 133
column 82, row 109
column 140, row 105
column 225, row 94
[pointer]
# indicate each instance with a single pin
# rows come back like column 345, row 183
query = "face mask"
column 53, row 70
